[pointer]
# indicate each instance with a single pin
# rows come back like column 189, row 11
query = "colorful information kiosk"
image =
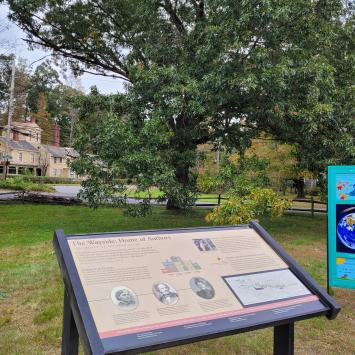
column 341, row 226
column 137, row 291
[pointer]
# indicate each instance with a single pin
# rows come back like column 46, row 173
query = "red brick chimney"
column 56, row 135
column 33, row 119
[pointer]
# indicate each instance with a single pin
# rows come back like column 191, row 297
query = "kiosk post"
column 70, row 336
column 284, row 339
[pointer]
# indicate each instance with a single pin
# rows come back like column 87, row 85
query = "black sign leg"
column 284, row 339
column 70, row 336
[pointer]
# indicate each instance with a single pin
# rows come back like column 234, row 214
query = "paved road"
column 71, row 191
column 66, row 190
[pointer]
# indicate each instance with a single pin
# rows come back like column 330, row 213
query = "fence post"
column 312, row 205
column 219, row 199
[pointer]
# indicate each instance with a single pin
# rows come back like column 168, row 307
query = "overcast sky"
column 11, row 42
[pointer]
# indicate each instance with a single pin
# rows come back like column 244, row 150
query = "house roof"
column 61, row 152
column 24, row 125
column 19, row 145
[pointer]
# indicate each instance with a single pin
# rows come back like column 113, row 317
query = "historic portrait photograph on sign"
column 204, row 244
column 124, row 298
column 165, row 293
column 202, row 288
column 345, row 229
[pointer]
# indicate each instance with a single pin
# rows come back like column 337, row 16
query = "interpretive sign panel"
column 341, row 226
column 144, row 290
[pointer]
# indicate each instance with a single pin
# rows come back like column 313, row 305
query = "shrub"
column 49, row 180
column 21, row 184
column 243, row 209
column 207, row 183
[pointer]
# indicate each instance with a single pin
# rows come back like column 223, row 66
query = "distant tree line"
column 41, row 95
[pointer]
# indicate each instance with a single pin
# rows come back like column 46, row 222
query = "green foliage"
column 200, row 72
column 49, row 180
column 43, row 81
column 236, row 173
column 253, row 204
column 141, row 209
column 244, row 182
column 207, row 183
column 5, row 74
column 22, row 184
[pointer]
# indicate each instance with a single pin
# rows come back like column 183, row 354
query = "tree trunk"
column 182, row 176
column 299, row 185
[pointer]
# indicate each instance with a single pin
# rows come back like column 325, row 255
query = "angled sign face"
column 145, row 290
column 341, row 226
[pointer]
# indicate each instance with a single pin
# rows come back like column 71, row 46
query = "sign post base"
column 284, row 339
column 70, row 336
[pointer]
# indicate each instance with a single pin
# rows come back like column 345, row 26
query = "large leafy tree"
column 22, row 84
column 44, row 80
column 50, row 100
column 196, row 71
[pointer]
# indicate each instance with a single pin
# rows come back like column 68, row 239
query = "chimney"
column 33, row 119
column 16, row 136
column 56, row 135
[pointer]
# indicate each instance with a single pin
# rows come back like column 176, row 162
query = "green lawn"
column 31, row 289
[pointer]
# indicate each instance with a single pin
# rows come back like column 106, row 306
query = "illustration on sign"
column 265, row 287
column 345, row 228
column 345, row 186
column 346, row 269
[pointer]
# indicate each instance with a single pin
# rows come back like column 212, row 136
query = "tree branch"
column 167, row 6
column 200, row 9
column 89, row 59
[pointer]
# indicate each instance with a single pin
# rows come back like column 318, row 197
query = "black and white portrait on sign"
column 204, row 244
column 124, row 298
column 202, row 288
column 165, row 293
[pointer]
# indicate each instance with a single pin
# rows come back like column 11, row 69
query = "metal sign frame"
column 78, row 320
column 337, row 201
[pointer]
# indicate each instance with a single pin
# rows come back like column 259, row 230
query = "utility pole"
column 11, row 102
column 9, row 118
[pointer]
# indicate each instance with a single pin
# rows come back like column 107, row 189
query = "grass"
column 31, row 287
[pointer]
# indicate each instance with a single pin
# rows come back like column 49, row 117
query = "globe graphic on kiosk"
column 346, row 230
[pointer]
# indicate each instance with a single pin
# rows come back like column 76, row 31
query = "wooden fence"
column 312, row 205
column 299, row 204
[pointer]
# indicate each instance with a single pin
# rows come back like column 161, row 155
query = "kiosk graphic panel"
column 341, row 226
column 140, row 290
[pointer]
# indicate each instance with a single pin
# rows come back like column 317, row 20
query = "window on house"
column 12, row 170
column 37, row 137
column 1, row 169
column 54, row 172
column 60, row 160
column 32, row 158
column 20, row 156
column 21, row 170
